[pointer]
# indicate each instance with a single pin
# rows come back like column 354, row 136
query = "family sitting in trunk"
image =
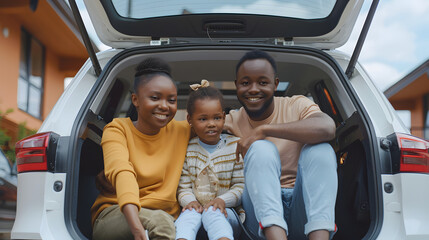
column 289, row 186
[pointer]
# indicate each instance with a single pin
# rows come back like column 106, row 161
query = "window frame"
column 29, row 38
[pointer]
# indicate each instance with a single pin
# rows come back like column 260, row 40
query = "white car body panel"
column 40, row 210
column 406, row 209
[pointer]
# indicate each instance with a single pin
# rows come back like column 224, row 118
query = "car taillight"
column 36, row 152
column 410, row 153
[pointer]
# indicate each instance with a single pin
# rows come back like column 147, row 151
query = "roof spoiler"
column 85, row 37
column 352, row 64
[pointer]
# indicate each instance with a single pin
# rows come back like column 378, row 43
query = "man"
column 290, row 173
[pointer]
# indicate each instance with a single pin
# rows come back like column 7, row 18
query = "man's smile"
column 253, row 99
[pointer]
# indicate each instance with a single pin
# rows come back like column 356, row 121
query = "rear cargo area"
column 301, row 72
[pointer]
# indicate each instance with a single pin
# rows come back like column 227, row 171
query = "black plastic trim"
column 395, row 153
column 61, row 154
column 51, row 151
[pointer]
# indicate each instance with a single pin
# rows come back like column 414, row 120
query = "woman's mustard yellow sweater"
column 145, row 170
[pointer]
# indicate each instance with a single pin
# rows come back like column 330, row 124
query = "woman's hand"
column 140, row 235
column 132, row 215
column 194, row 205
column 217, row 203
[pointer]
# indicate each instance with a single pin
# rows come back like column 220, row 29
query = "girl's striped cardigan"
column 206, row 176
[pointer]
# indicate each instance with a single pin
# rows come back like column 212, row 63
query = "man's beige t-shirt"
column 286, row 109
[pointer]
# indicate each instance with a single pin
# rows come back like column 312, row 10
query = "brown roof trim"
column 65, row 13
column 408, row 79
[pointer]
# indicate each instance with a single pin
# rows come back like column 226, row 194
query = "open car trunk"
column 303, row 71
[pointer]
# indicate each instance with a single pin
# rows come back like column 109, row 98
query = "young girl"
column 143, row 161
column 212, row 178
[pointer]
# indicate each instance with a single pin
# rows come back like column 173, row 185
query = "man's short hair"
column 257, row 54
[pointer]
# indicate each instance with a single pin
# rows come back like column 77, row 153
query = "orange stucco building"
column 40, row 45
column 412, row 93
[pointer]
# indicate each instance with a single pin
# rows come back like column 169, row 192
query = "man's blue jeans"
column 309, row 206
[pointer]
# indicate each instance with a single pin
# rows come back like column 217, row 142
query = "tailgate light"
column 36, row 152
column 413, row 153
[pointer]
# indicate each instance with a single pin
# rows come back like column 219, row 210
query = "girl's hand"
column 194, row 205
column 217, row 203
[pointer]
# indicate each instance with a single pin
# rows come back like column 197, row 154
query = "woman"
column 143, row 161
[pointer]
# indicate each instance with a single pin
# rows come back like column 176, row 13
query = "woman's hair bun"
column 152, row 65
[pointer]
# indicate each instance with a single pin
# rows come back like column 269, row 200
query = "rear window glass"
column 303, row 9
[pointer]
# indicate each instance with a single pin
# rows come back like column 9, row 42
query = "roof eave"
column 65, row 13
column 407, row 80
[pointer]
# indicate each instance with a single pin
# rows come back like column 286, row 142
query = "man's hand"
column 194, row 205
column 244, row 143
column 217, row 203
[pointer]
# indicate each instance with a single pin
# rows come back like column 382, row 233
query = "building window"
column 426, row 116
column 30, row 81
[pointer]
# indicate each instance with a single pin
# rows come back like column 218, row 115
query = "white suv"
column 382, row 171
